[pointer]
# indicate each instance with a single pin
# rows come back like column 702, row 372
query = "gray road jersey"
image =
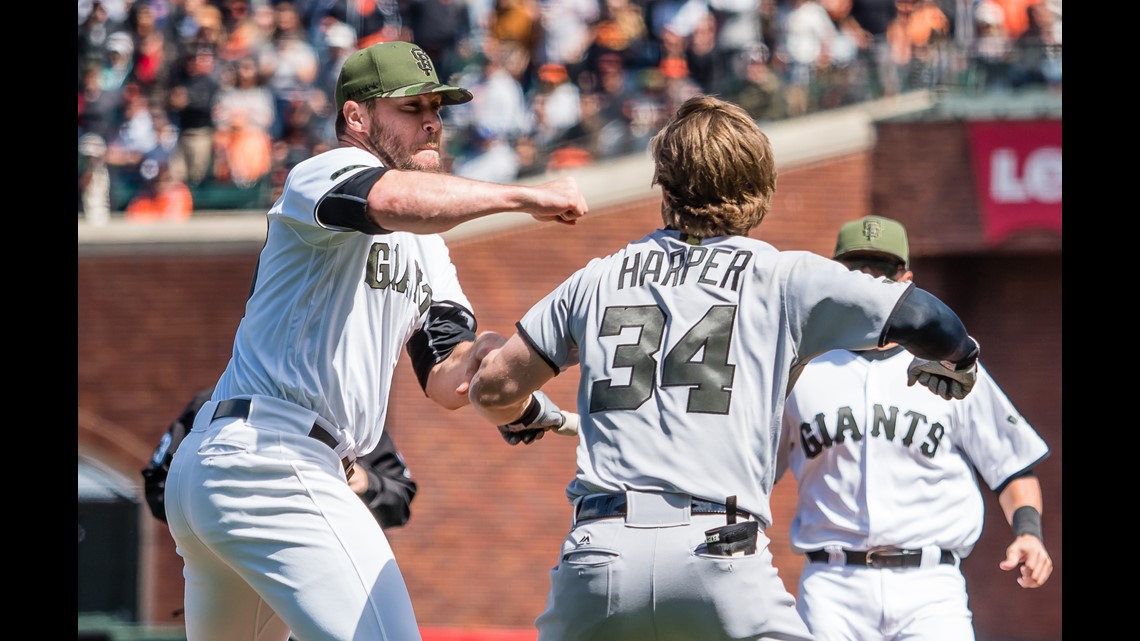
column 686, row 352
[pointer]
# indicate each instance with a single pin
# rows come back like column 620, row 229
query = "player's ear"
column 905, row 277
column 356, row 116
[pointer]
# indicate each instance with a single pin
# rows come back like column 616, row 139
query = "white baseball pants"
column 274, row 540
column 845, row 603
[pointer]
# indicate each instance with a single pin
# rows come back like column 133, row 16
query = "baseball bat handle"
column 570, row 421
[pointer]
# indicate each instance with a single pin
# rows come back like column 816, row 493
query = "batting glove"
column 944, row 378
column 541, row 415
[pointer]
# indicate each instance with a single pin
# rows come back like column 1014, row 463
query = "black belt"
column 239, row 408
column 606, row 506
column 884, row 557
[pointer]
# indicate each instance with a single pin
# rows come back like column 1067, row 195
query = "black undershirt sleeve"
column 447, row 325
column 927, row 328
column 346, row 205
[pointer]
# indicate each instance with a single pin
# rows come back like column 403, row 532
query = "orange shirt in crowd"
column 172, row 201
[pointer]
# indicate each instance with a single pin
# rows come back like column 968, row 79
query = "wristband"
column 530, row 414
column 1027, row 520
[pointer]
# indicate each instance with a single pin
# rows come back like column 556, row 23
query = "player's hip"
column 616, row 580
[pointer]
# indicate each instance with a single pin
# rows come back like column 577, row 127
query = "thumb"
column 1012, row 559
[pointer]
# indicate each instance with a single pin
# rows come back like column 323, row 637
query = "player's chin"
column 426, row 160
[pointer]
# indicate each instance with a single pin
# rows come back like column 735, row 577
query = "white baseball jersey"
column 881, row 463
column 331, row 309
column 686, row 352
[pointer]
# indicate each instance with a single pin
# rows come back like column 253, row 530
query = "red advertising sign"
column 1017, row 170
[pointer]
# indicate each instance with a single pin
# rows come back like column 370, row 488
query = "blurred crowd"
column 189, row 105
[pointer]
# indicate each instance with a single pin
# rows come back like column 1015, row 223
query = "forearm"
column 927, row 328
column 425, row 202
column 502, row 388
column 497, row 397
column 448, row 382
column 1020, row 492
column 448, row 375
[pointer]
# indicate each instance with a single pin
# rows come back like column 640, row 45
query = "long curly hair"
column 715, row 167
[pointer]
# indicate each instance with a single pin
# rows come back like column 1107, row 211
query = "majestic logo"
column 584, row 540
column 422, row 61
column 872, row 229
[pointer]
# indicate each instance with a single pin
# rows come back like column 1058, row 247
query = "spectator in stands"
column 94, row 29
column 917, row 37
column 191, row 104
column 119, row 61
column 876, row 66
column 500, row 103
column 556, row 103
column 759, row 91
column 94, row 180
column 155, row 56
column 136, row 136
column 621, row 30
column 566, row 31
column 161, row 197
column 739, row 28
column 439, row 27
column 993, row 46
column 489, row 156
column 99, row 108
column 1034, row 61
column 517, row 22
column 703, row 59
column 291, row 63
column 806, row 34
column 340, row 43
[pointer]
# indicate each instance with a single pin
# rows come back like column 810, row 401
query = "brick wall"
column 487, row 523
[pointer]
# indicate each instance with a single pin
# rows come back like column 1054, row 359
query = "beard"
column 394, row 154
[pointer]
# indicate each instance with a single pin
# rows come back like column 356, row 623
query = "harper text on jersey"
column 675, row 269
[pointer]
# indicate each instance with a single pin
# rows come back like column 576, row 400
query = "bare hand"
column 1027, row 553
column 565, row 204
column 485, row 343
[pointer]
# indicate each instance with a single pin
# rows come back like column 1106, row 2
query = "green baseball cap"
column 873, row 235
column 392, row 70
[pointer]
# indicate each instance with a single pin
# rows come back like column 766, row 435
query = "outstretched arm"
column 425, row 202
column 1021, row 502
column 946, row 357
column 505, row 391
column 448, row 381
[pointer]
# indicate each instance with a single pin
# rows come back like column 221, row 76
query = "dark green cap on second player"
column 873, row 235
column 392, row 70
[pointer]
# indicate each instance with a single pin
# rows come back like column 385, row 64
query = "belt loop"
column 931, row 556
column 835, row 555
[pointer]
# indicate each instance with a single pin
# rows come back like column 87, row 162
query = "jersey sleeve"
column 996, row 438
column 312, row 179
column 549, row 327
column 833, row 308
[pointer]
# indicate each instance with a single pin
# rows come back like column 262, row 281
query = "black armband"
column 446, row 326
column 1027, row 520
column 346, row 205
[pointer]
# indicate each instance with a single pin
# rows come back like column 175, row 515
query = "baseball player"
column 352, row 273
column 380, row 478
column 888, row 502
column 687, row 340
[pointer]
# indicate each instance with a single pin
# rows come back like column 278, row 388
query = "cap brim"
column 451, row 95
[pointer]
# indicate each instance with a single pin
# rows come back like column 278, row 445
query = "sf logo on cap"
column 422, row 61
column 872, row 229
